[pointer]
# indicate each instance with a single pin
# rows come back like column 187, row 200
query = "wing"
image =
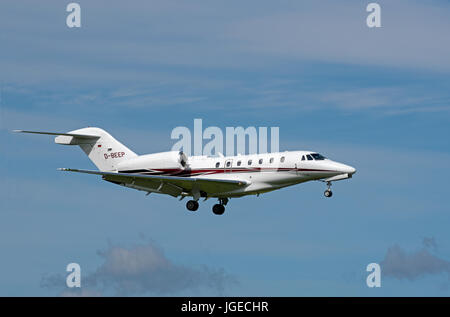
column 171, row 185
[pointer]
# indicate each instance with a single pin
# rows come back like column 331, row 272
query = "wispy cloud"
column 142, row 270
column 385, row 100
column 413, row 34
column 408, row 110
column 254, row 35
column 429, row 242
column 401, row 264
column 290, row 96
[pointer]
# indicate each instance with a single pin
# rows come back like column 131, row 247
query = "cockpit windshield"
column 318, row 157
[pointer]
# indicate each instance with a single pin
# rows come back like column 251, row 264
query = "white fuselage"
column 263, row 172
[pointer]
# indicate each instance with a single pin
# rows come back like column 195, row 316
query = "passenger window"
column 309, row 157
column 228, row 164
column 239, row 163
column 249, row 162
column 271, row 160
column 217, row 164
column 260, row 161
column 282, row 159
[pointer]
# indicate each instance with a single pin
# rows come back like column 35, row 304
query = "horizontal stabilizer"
column 81, row 136
column 67, row 138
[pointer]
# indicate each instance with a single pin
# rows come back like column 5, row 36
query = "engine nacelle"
column 164, row 160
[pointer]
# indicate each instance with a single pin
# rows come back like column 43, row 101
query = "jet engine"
column 172, row 160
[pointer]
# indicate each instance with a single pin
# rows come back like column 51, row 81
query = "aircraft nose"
column 346, row 169
column 350, row 169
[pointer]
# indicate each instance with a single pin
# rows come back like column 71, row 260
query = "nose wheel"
column 328, row 193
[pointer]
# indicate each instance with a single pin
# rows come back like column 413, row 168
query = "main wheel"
column 328, row 193
column 218, row 209
column 192, row 205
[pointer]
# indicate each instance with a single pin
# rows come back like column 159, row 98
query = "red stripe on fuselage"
column 206, row 171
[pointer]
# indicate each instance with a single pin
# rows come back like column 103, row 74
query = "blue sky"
column 377, row 99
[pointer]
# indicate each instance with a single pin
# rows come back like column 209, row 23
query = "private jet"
column 223, row 177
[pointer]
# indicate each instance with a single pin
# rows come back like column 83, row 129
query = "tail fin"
column 103, row 150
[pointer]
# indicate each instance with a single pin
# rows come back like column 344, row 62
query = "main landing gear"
column 219, row 209
column 328, row 193
column 192, row 205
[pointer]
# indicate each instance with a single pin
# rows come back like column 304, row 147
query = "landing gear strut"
column 328, row 193
column 192, row 205
column 219, row 209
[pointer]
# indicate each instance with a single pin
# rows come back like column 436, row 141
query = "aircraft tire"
column 192, row 205
column 218, row 209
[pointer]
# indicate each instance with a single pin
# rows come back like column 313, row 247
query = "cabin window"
column 228, row 164
column 282, row 159
column 271, row 160
column 238, row 163
column 217, row 164
column 249, row 162
column 260, row 161
column 309, row 157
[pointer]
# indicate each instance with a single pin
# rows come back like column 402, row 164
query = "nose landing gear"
column 328, row 193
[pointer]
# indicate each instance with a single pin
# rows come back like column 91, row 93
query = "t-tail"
column 103, row 149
